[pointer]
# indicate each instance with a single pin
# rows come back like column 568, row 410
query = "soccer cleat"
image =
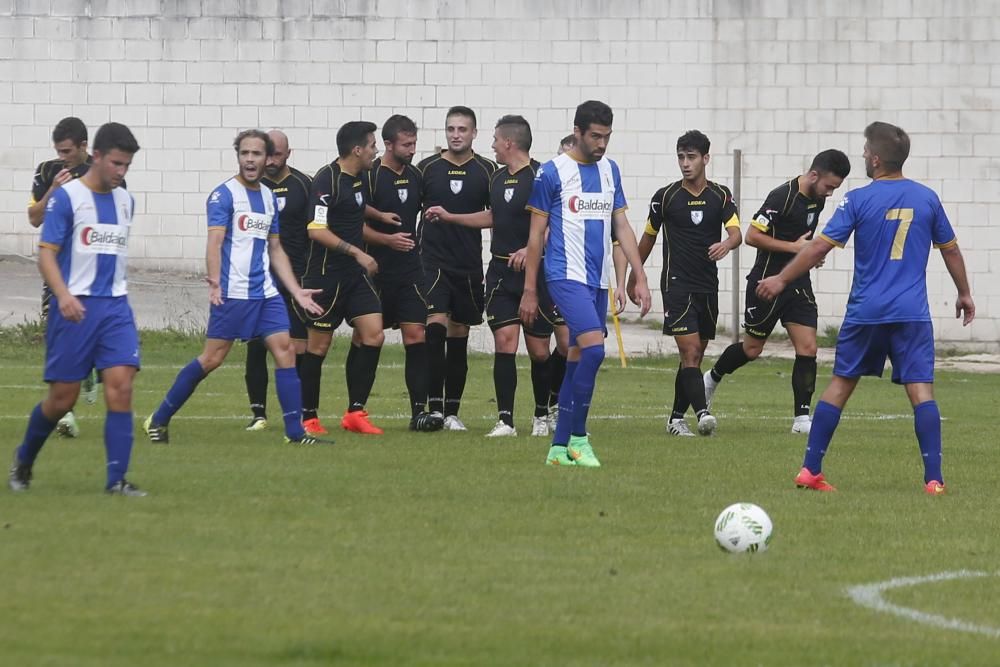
column 502, row 430
column 679, row 427
column 540, row 426
column 581, row 452
column 156, row 433
column 553, row 417
column 427, row 422
column 710, row 386
column 67, row 426
column 20, row 475
column 308, row 440
column 89, row 387
column 706, row 424
column 257, row 424
column 357, row 422
column 559, row 456
column 313, row 427
column 124, row 487
column 453, row 423
column 817, row 482
column 931, row 488
column 802, row 424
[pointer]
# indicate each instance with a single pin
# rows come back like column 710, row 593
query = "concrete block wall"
column 778, row 79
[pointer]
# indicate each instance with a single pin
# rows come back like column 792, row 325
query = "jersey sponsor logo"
column 319, row 214
column 254, row 224
column 508, row 194
column 697, row 216
column 358, row 197
column 104, row 239
column 697, row 202
column 456, row 186
column 403, row 194
column 596, row 202
column 281, row 203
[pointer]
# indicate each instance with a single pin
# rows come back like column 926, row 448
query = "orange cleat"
column 313, row 427
column 807, row 480
column 357, row 422
column 934, row 488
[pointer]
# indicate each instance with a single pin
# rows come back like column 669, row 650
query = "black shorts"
column 343, row 298
column 296, row 327
column 403, row 302
column 690, row 313
column 795, row 305
column 504, row 288
column 459, row 295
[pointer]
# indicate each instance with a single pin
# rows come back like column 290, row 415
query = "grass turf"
column 449, row 549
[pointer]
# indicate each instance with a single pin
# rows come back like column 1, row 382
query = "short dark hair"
column 593, row 112
column 517, row 129
column 462, row 111
column 254, row 134
column 831, row 161
column 890, row 143
column 568, row 140
column 111, row 136
column 353, row 134
column 694, row 140
column 71, row 128
column 396, row 125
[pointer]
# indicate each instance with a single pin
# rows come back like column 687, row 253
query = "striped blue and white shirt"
column 89, row 232
column 579, row 200
column 249, row 217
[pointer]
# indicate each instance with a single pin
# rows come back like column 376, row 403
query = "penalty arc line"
column 870, row 596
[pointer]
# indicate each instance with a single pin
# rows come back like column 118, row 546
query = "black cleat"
column 308, row 440
column 125, row 488
column 427, row 422
column 20, row 475
column 156, row 432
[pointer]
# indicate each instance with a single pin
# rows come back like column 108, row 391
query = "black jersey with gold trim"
column 691, row 223
column 337, row 202
column 509, row 194
column 294, row 214
column 399, row 193
column 46, row 172
column 786, row 215
column 459, row 188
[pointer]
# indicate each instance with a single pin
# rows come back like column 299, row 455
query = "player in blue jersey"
column 895, row 221
column 578, row 197
column 243, row 247
column 83, row 259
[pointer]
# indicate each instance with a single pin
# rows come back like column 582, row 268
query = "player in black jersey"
column 338, row 265
column 456, row 181
column 691, row 212
column 291, row 187
column 510, row 189
column 781, row 228
column 394, row 186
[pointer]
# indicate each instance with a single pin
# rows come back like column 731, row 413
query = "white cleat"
column 453, row 423
column 553, row 417
column 501, row 430
column 540, row 427
column 707, row 424
column 67, row 426
column 710, row 386
column 679, row 427
column 802, row 424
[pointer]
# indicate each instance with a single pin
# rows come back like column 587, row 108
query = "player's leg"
column 360, row 369
column 118, row 428
column 255, row 377
column 416, row 372
column 502, row 316
column 759, row 319
column 541, row 380
column 288, row 387
column 60, row 399
column 187, row 380
column 803, row 374
column 467, row 311
column 691, row 349
column 680, row 320
column 319, row 338
column 557, row 370
column 912, row 355
column 438, row 296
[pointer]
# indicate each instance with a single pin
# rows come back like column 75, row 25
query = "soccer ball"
column 743, row 527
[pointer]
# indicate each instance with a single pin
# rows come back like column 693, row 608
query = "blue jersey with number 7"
column 894, row 222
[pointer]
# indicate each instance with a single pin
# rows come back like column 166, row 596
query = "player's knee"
column 593, row 354
column 373, row 338
column 752, row 349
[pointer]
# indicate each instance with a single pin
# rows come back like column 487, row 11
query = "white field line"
column 870, row 596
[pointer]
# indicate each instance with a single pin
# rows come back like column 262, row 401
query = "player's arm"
column 282, row 268
column 814, row 253
column 764, row 241
column 620, row 262
column 965, row 307
column 40, row 194
column 628, row 245
column 385, row 217
column 477, row 220
column 57, row 233
column 734, row 237
column 528, row 309
column 213, row 264
column 647, row 241
column 321, row 234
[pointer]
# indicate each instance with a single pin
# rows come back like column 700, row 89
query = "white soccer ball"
column 743, row 527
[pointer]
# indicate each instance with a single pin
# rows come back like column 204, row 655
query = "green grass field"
column 448, row 549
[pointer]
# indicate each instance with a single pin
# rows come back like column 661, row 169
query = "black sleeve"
column 41, row 183
column 772, row 208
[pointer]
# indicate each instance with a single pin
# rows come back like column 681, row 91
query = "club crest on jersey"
column 696, row 217
column 281, row 203
column 456, row 187
column 358, row 197
column 810, row 218
column 403, row 194
column 508, row 194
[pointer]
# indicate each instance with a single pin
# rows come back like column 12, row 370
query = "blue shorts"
column 584, row 308
column 106, row 337
column 863, row 348
column 243, row 319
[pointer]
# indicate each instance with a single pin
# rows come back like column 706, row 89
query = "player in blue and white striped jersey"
column 578, row 196
column 83, row 257
column 243, row 245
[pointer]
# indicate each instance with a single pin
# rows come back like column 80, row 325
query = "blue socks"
column 39, row 429
column 927, row 424
column 118, row 436
column 824, row 423
column 286, row 383
column 563, row 424
column 185, row 384
column 583, row 386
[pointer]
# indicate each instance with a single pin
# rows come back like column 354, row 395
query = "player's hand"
column 367, row 262
column 214, row 292
column 62, row 178
column 304, row 297
column 717, row 251
column 401, row 241
column 390, row 218
column 802, row 241
column 71, row 308
column 965, row 308
column 630, row 288
column 436, row 214
column 620, row 299
column 769, row 288
column 528, row 309
column 820, row 263
column 518, row 259
column 642, row 296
